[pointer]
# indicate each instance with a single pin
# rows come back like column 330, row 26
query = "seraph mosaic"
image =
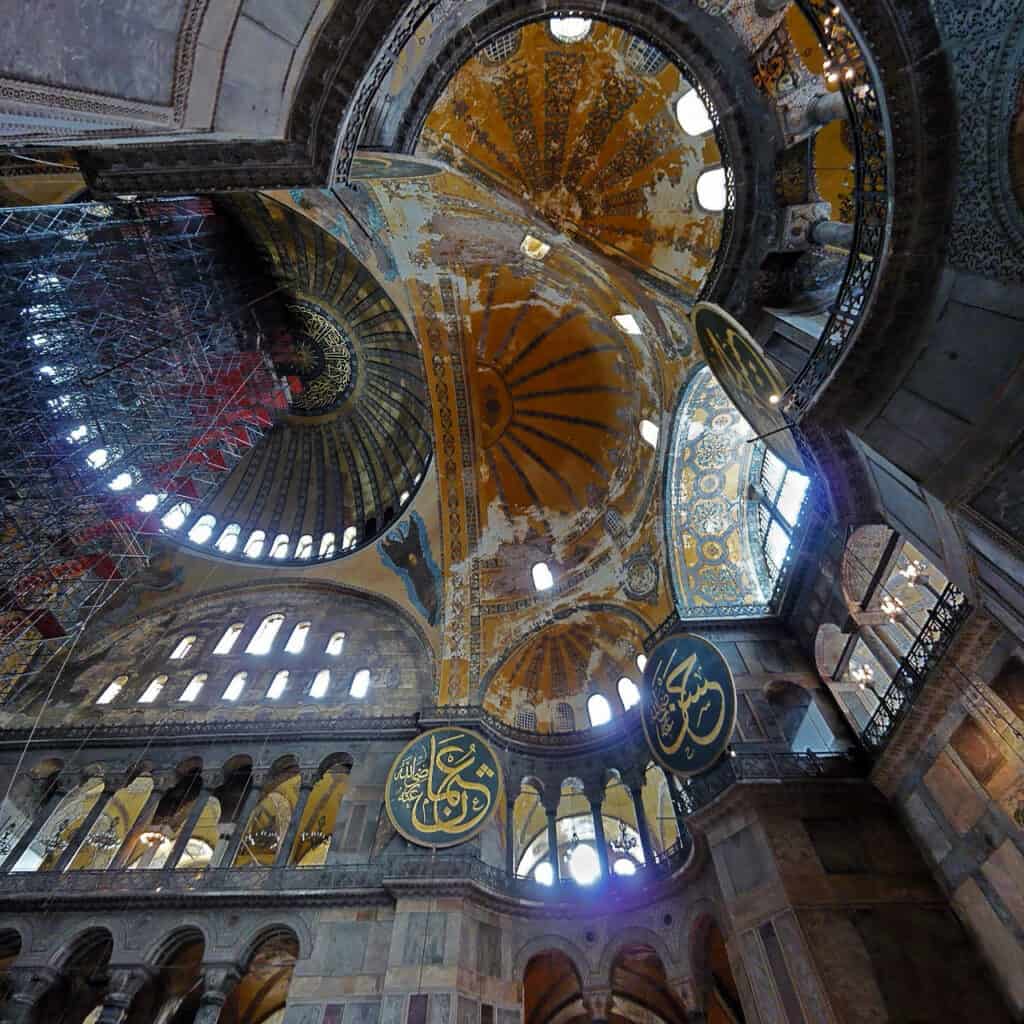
column 406, row 551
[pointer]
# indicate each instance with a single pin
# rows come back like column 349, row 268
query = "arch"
column 297, row 929
column 86, row 941
column 635, row 935
column 188, row 930
column 548, row 943
column 864, row 550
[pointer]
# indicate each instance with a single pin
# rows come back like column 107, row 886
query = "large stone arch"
column 544, row 943
column 636, row 935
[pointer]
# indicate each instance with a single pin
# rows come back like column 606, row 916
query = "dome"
column 350, row 452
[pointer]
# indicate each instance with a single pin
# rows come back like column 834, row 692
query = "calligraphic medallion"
column 747, row 376
column 443, row 787
column 688, row 706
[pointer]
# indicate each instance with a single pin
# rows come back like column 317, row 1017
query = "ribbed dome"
column 353, row 447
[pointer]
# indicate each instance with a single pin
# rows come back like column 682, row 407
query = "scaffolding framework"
column 132, row 366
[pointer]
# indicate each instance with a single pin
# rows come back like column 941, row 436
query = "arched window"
column 98, row 458
column 254, row 545
column 629, row 693
column 403, row 497
column 278, row 686
column 349, row 538
column 153, row 691
column 641, row 661
column 280, row 548
column 327, row 546
column 335, row 644
column 692, row 114
column 360, row 684
column 174, row 519
column 782, row 492
column 321, row 684
column 711, row 190
column 228, row 639
column 150, row 502
column 228, row 540
column 263, row 639
column 570, row 30
column 194, row 688
column 542, row 578
column 121, row 482
column 304, row 549
column 599, row 711
column 184, row 645
column 526, row 717
column 112, row 690
column 298, row 638
column 202, row 530
column 563, row 719
column 236, row 686
column 649, row 432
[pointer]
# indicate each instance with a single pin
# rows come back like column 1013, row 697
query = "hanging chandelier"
column 57, row 839
column 315, row 836
column 108, row 839
column 624, row 843
column 7, row 838
column 265, row 840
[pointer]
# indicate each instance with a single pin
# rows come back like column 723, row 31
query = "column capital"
column 27, row 986
column 309, row 777
column 124, row 985
column 218, row 982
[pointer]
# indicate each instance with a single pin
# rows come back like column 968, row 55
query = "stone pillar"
column 41, row 817
column 825, row 108
column 891, row 643
column 768, row 8
column 510, row 833
column 636, row 791
column 832, row 232
column 307, row 781
column 189, row 825
column 27, row 986
column 552, row 815
column 879, row 650
column 142, row 822
column 218, row 983
column 125, row 984
column 599, row 838
column 820, row 912
column 252, row 798
column 677, row 803
column 73, row 845
column 598, row 1004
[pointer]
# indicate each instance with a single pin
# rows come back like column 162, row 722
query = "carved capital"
column 27, row 985
column 219, row 980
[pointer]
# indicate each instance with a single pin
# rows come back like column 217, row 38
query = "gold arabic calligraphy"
column 435, row 787
column 691, row 716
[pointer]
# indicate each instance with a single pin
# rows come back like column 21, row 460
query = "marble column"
column 599, row 837
column 510, row 834
column 825, row 108
column 142, row 822
column 252, row 798
column 284, row 851
column 218, row 984
column 832, row 232
column 188, row 826
column 124, row 986
column 637, row 793
column 552, row 816
column 83, row 830
column 882, row 654
column 27, row 986
column 46, row 808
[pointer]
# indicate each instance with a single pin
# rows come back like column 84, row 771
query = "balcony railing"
column 370, row 882
column 868, row 123
column 942, row 625
column 768, row 766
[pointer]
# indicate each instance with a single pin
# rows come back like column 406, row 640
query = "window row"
column 262, row 640
column 317, row 689
column 783, row 491
column 599, row 708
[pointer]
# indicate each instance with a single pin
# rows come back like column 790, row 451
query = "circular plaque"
column 747, row 376
column 443, row 787
column 688, row 706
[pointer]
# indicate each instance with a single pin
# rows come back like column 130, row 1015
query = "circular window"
column 570, row 30
column 711, row 190
column 693, row 114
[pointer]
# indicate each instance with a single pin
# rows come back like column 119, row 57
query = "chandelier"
column 315, row 836
column 570, row 847
column 841, row 66
column 913, row 571
column 56, row 839
column 625, row 842
column 7, row 838
column 108, row 839
column 892, row 607
column 265, row 840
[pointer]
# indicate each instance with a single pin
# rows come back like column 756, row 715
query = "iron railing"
column 768, row 766
column 941, row 626
column 868, row 123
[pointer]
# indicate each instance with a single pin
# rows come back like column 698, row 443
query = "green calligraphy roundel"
column 689, row 704
column 443, row 787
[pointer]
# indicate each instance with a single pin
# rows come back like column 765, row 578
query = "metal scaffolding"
column 132, row 367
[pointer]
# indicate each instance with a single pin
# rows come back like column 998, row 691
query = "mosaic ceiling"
column 586, row 133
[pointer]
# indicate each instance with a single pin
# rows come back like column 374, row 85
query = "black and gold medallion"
column 747, row 376
column 443, row 787
column 688, row 706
